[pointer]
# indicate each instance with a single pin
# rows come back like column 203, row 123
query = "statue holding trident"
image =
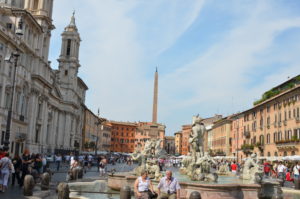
column 196, row 137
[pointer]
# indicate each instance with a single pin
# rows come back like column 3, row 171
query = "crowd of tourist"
column 14, row 169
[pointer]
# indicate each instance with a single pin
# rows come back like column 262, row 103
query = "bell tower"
column 69, row 55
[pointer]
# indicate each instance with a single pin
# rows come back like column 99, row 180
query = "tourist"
column 233, row 167
column 85, row 163
column 72, row 157
column 281, row 170
column 296, row 170
column 2, row 153
column 168, row 187
column 17, row 163
column 58, row 160
column 38, row 164
column 143, row 186
column 267, row 168
column 102, row 166
column 6, row 167
column 90, row 158
column 288, row 176
column 26, row 161
column 44, row 161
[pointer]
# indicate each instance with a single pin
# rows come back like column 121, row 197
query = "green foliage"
column 273, row 92
column 294, row 138
column 247, row 147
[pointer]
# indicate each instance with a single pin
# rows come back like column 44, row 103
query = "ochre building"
column 122, row 136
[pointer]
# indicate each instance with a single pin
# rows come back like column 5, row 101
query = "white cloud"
column 218, row 79
column 113, row 50
column 119, row 37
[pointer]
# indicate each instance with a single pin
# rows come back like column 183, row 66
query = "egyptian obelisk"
column 154, row 112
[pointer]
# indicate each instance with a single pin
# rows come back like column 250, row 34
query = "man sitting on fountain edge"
column 168, row 187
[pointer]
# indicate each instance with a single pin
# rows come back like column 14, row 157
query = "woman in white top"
column 6, row 167
column 143, row 186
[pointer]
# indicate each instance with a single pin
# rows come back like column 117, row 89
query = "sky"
column 213, row 57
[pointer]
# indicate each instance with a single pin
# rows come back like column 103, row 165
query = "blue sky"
column 213, row 57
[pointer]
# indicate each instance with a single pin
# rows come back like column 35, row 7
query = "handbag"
column 152, row 195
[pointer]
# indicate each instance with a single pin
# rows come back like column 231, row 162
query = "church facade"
column 48, row 104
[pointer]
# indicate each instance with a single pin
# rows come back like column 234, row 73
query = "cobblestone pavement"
column 16, row 192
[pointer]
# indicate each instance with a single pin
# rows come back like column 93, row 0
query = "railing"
column 281, row 142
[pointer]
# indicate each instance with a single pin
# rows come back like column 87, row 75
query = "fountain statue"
column 197, row 164
column 223, row 169
column 152, row 149
column 252, row 171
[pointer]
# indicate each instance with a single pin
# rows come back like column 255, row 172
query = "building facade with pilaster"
column 48, row 104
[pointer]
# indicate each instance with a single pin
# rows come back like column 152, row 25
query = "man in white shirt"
column 168, row 187
column 281, row 169
column 296, row 170
column 71, row 159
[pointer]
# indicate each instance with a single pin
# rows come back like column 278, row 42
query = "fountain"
column 194, row 175
column 196, row 166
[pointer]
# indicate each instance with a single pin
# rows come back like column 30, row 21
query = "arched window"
column 293, row 153
column 275, row 137
column 275, row 154
column 279, row 136
column 261, row 139
column 269, row 154
column 285, row 153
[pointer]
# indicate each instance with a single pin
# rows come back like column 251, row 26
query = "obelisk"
column 154, row 112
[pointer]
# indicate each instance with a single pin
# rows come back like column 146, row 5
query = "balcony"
column 247, row 148
column 247, row 134
column 20, row 137
column 287, row 144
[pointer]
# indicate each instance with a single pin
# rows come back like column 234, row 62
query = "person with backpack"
column 6, row 167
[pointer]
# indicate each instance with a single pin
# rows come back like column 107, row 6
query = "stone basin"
column 207, row 191
column 90, row 190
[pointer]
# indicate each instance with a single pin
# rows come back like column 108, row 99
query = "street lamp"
column 12, row 58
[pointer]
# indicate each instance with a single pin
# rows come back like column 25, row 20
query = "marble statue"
column 152, row 149
column 223, row 169
column 197, row 165
column 196, row 137
column 202, row 169
column 252, row 171
column 153, row 169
